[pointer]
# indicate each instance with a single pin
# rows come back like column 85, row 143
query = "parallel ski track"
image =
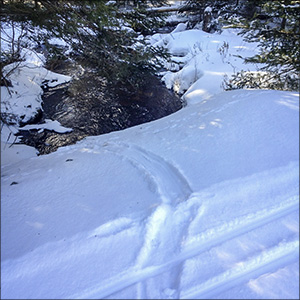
column 269, row 261
column 135, row 274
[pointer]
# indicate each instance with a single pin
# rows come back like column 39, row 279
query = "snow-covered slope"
column 201, row 61
column 203, row 203
column 22, row 101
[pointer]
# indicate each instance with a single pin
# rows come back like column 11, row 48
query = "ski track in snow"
column 264, row 262
column 172, row 188
column 179, row 205
column 171, row 185
column 268, row 261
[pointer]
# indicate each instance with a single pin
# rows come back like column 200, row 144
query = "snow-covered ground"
column 23, row 99
column 201, row 61
column 203, row 203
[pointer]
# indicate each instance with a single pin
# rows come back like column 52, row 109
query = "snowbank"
column 203, row 203
column 22, row 101
column 201, row 60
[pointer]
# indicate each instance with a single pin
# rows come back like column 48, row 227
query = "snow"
column 203, row 60
column 203, row 203
column 180, row 27
column 208, row 9
column 197, row 204
column 50, row 125
column 23, row 99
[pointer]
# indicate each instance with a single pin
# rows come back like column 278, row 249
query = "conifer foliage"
column 139, row 16
column 98, row 32
column 205, row 12
column 275, row 26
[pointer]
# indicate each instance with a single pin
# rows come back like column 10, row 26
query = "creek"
column 90, row 107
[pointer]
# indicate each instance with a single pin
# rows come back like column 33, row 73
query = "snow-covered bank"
column 202, row 60
column 203, row 203
column 22, row 101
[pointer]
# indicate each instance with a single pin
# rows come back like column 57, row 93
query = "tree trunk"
column 283, row 23
column 207, row 21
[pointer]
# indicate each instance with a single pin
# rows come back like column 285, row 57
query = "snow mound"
column 201, row 60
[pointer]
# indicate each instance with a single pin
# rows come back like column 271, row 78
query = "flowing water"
column 90, row 107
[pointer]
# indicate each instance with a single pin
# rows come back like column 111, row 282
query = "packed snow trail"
column 226, row 232
column 172, row 187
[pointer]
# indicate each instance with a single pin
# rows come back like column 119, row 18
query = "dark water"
column 90, row 107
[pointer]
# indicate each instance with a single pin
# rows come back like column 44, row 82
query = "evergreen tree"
column 139, row 16
column 275, row 25
column 97, row 33
column 206, row 12
column 195, row 10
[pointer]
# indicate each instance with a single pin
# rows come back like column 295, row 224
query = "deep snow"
column 203, row 203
